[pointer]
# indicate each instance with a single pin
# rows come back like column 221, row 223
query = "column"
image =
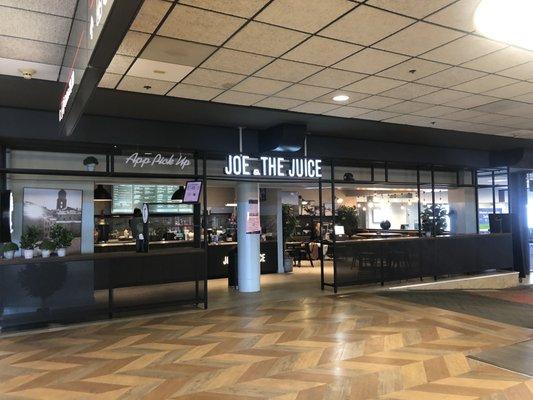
column 248, row 244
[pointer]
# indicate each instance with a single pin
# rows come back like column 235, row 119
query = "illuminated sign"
column 142, row 160
column 96, row 17
column 242, row 165
column 66, row 95
column 262, row 259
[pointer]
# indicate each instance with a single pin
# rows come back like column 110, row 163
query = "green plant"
column 90, row 160
column 348, row 217
column 9, row 246
column 426, row 218
column 61, row 236
column 47, row 244
column 29, row 239
column 289, row 222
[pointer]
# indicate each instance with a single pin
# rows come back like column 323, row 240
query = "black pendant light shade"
column 178, row 194
column 100, row 193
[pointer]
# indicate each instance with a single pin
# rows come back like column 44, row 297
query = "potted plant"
column 348, row 217
column 9, row 250
column 426, row 218
column 90, row 163
column 289, row 226
column 28, row 241
column 62, row 239
column 47, row 246
column 385, row 225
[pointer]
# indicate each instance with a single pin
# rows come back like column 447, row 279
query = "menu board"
column 128, row 197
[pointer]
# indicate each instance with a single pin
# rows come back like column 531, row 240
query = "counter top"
column 441, row 237
column 132, row 243
column 103, row 256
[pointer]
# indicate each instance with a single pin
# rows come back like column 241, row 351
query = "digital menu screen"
column 128, row 197
column 192, row 192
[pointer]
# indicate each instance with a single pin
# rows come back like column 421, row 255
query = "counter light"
column 231, row 204
column 341, row 98
column 506, row 21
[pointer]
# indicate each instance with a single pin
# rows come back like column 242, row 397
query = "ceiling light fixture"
column 506, row 21
column 341, row 97
column 27, row 73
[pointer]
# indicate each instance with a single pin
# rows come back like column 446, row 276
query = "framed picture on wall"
column 45, row 207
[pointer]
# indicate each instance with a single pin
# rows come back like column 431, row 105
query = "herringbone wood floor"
column 358, row 346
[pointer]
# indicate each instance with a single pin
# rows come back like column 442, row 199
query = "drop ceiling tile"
column 197, row 25
column 33, row 25
column 144, row 85
column 409, row 91
column 500, row 60
column 414, row 120
column 486, row 118
column 459, row 15
column 30, row 50
column 463, row 49
column 484, row 84
column 279, row 103
column 413, row 69
column 333, row 78
column 370, row 61
column 64, row 8
column 321, row 51
column 376, row 102
column 303, row 92
column 214, row 79
column 524, row 72
column 417, row 9
column 462, row 115
column 43, row 71
column 236, row 61
column 500, row 107
column 304, row 15
column 109, row 81
column 347, row 112
column 289, row 71
column 368, row 30
column 407, row 107
column 240, row 8
column 374, row 85
column 132, row 43
column 418, row 38
column 435, row 111
column 451, row 77
column 377, row 115
column 442, row 96
column 314, row 108
column 353, row 97
column 119, row 64
column 150, row 15
column 260, row 86
column 265, row 39
column 528, row 98
column 513, row 90
column 160, row 71
column 177, row 51
column 239, row 98
column 194, row 92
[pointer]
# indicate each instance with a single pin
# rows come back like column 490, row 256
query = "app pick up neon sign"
column 242, row 165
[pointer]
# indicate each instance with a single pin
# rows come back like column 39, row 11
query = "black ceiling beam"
column 116, row 26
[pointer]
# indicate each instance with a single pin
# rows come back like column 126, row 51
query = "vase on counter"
column 61, row 252
column 45, row 253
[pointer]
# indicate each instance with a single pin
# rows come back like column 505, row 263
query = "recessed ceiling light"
column 27, row 73
column 506, row 21
column 341, row 97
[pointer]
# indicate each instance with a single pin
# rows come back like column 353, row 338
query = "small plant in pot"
column 90, row 163
column 9, row 250
column 426, row 218
column 62, row 239
column 289, row 226
column 28, row 241
column 47, row 246
column 348, row 217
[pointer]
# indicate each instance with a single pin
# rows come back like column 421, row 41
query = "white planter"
column 90, row 167
column 9, row 254
column 62, row 252
column 28, row 253
column 428, row 234
column 45, row 253
column 287, row 264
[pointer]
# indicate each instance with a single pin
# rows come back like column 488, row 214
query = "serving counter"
column 396, row 258
column 58, row 288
